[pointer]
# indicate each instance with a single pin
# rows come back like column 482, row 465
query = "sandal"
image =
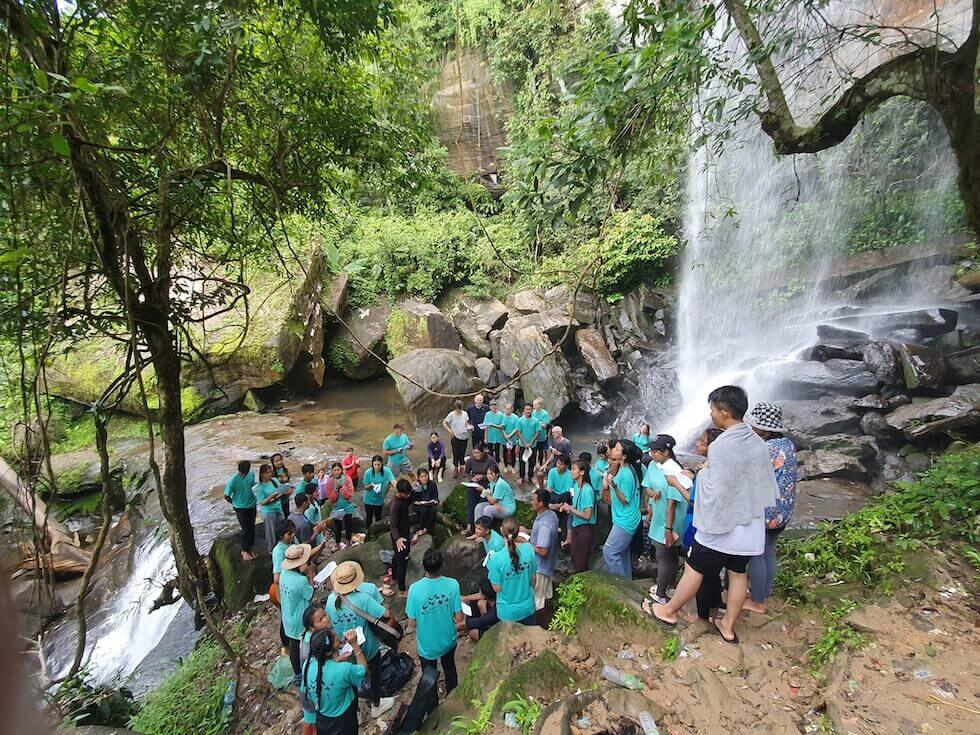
column 734, row 640
column 386, row 591
column 648, row 609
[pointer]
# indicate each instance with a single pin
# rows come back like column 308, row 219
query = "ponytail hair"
column 632, row 456
column 510, row 529
column 321, row 648
column 585, row 468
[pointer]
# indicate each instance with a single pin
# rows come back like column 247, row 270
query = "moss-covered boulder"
column 454, row 506
column 444, row 371
column 241, row 580
column 613, row 611
column 414, row 325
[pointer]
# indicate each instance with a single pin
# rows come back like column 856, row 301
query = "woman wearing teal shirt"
column 494, row 421
column 270, row 504
column 330, row 682
column 491, row 540
column 510, row 439
column 583, row 512
column 543, row 418
column 621, row 488
column 295, row 594
column 559, row 477
column 642, row 438
column 527, row 438
column 512, row 577
column 377, row 480
column 395, row 446
column 500, row 501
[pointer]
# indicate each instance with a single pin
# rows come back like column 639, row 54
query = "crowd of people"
column 721, row 513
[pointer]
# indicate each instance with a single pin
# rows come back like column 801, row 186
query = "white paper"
column 347, row 650
column 486, row 559
column 482, row 426
column 376, row 486
column 324, row 574
column 472, row 484
column 467, row 610
column 526, row 454
column 524, row 536
column 360, row 635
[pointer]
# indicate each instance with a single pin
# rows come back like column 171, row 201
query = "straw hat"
column 766, row 416
column 296, row 556
column 347, row 577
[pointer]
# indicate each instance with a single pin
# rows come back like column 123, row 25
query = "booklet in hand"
column 467, row 610
column 324, row 574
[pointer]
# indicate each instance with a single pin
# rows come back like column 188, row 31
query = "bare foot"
column 754, row 607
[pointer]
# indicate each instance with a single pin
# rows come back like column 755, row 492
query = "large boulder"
column 927, row 416
column 970, row 281
column 546, row 373
column 335, row 298
column 528, row 301
column 963, row 367
column 595, row 354
column 413, row 325
column 927, row 322
column 837, row 349
column 585, row 307
column 881, row 359
column 474, row 319
column 553, row 323
column 827, row 500
column 440, row 370
column 811, row 379
column 807, row 420
column 241, row 580
column 350, row 350
column 922, row 367
column 834, row 332
column 821, row 463
column 859, row 447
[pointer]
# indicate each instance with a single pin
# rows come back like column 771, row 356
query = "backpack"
column 396, row 670
column 410, row 717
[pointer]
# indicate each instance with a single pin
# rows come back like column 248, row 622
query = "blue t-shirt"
column 398, row 443
column 504, row 495
column 345, row 619
column 528, row 428
column 337, row 688
column 544, row 534
column 433, row 603
column 295, row 594
column 494, row 435
column 543, row 418
column 690, row 530
column 559, row 482
column 377, row 497
column 239, row 489
column 510, row 424
column 515, row 601
column 493, row 544
column 583, row 499
column 625, row 515
column 264, row 490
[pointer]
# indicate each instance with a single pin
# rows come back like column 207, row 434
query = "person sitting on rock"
column 500, row 502
column 476, row 467
column 425, row 500
column 511, row 572
column 306, row 530
column 436, row 452
column 331, row 681
column 483, row 605
column 558, row 446
column 339, row 491
column 559, row 483
column 491, row 540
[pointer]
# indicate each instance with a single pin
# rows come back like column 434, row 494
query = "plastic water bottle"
column 648, row 724
column 611, row 673
column 229, row 702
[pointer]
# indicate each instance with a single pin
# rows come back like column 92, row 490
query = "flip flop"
column 648, row 609
column 734, row 641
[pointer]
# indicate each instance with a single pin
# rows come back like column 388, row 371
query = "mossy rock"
column 454, row 506
column 241, row 580
column 613, row 610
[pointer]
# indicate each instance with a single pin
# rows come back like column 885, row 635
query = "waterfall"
column 762, row 228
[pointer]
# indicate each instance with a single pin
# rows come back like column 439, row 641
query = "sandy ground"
column 918, row 674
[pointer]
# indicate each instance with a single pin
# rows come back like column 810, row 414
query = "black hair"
column 276, row 454
column 668, row 439
column 284, row 527
column 265, row 467
column 564, row 459
column 321, row 647
column 543, row 495
column 485, row 522
column 494, row 468
column 421, row 470
column 377, row 458
column 602, row 450
column 585, row 457
column 486, row 587
column 335, row 465
column 300, row 500
column 730, row 398
column 307, row 468
column 308, row 615
column 632, row 455
column 713, row 433
column 432, row 561
column 403, row 487
column 585, row 468
column 243, row 467
column 435, row 434
column 481, row 446
column 510, row 528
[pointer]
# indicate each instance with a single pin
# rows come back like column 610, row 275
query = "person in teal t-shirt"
column 622, row 490
column 491, row 540
column 510, row 439
column 642, row 439
column 395, row 448
column 559, row 478
column 511, row 573
column 295, row 595
column 270, row 503
column 527, row 439
column 500, row 501
column 286, row 533
column 330, row 681
column 348, row 583
column 494, row 421
column 238, row 492
column 543, row 418
column 377, row 480
column 434, row 606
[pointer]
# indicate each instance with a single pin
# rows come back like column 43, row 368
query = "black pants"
column 448, row 662
column 246, row 519
column 494, row 450
column 399, row 565
column 667, row 564
column 541, row 452
column 348, row 524
column 372, row 513
column 459, row 451
column 709, row 595
column 294, row 655
column 284, row 503
column 374, row 671
column 344, row 724
column 526, row 469
column 427, row 518
column 282, row 635
column 581, row 548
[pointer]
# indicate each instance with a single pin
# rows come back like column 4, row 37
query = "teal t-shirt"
column 278, row 554
column 504, row 494
column 312, row 514
column 680, row 511
column 433, row 603
column 642, row 441
column 341, row 503
column 595, row 480
column 398, row 443
column 510, row 424
column 339, row 682
column 515, row 601
column 584, row 498
column 528, row 427
column 654, row 479
column 559, row 482
column 602, row 467
column 377, row 497
column 345, row 619
column 493, row 544
column 295, row 594
column 239, row 489
column 262, row 491
column 543, row 418
column 494, row 435
column 626, row 516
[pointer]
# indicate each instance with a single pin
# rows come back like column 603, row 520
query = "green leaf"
column 59, row 144
column 86, row 86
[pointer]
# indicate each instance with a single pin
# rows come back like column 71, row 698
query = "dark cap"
column 663, row 441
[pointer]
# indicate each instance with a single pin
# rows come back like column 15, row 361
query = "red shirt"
column 351, row 465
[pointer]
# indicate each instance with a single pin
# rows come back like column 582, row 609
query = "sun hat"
column 347, row 577
column 766, row 416
column 662, row 441
column 296, row 556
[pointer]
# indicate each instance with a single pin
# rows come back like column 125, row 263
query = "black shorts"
column 709, row 562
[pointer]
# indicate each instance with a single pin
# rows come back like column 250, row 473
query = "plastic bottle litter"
column 611, row 673
column 583, row 721
column 626, row 654
column 648, row 724
column 510, row 720
column 229, row 701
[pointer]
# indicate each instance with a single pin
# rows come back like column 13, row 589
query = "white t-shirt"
column 457, row 424
column 671, row 469
column 749, row 539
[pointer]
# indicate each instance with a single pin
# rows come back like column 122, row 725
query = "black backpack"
column 411, row 716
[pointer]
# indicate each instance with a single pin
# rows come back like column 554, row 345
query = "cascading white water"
column 760, row 226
